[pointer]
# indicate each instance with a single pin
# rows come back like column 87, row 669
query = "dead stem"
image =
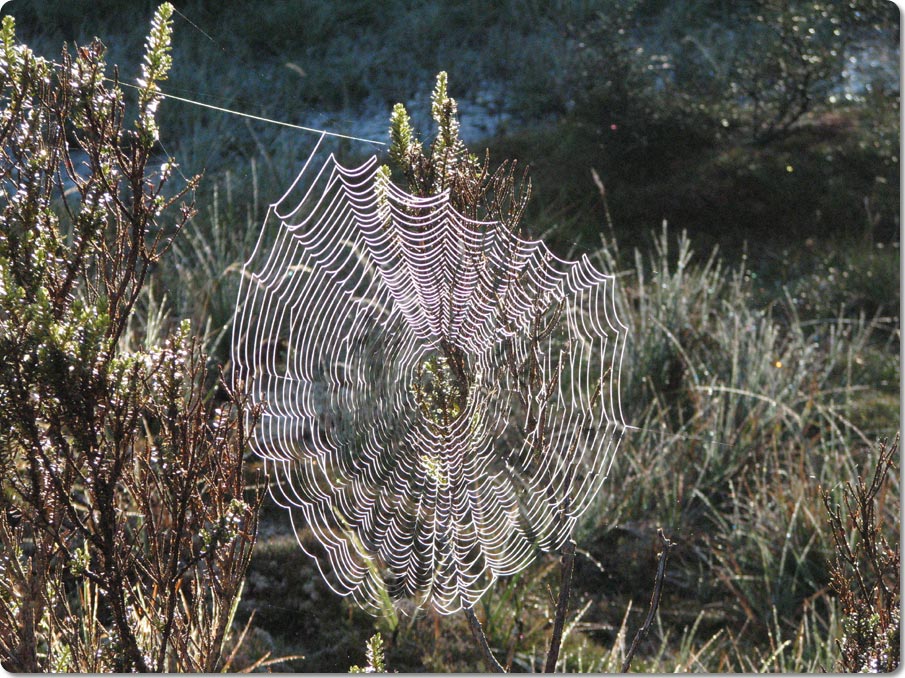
column 492, row 664
column 654, row 600
column 562, row 605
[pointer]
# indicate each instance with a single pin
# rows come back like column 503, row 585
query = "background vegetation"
column 762, row 374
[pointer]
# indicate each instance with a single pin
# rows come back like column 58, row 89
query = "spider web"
column 441, row 396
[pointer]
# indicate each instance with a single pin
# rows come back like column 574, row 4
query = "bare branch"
column 565, row 588
column 489, row 660
column 654, row 600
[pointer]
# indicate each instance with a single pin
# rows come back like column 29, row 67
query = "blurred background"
column 655, row 131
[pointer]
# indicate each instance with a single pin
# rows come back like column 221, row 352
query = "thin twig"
column 562, row 605
column 654, row 600
column 478, row 633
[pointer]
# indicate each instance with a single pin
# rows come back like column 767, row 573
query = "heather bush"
column 126, row 528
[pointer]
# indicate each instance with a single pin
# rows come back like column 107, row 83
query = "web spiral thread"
column 441, row 396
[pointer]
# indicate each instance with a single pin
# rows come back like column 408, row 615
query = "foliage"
column 374, row 654
column 612, row 78
column 752, row 70
column 448, row 164
column 125, row 524
column 536, row 73
column 772, row 63
column 475, row 191
column 727, row 120
column 865, row 573
column 743, row 411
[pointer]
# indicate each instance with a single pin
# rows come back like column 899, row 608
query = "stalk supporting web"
column 441, row 396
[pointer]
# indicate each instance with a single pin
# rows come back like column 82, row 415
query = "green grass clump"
column 745, row 414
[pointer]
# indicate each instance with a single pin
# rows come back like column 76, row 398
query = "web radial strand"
column 441, row 397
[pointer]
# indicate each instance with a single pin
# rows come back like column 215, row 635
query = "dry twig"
column 492, row 664
column 654, row 600
column 562, row 605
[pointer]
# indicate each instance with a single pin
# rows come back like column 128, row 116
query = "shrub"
column 865, row 572
column 125, row 528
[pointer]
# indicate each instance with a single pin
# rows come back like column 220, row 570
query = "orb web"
column 440, row 396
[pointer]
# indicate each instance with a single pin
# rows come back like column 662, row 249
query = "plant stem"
column 492, row 664
column 562, row 605
column 654, row 600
